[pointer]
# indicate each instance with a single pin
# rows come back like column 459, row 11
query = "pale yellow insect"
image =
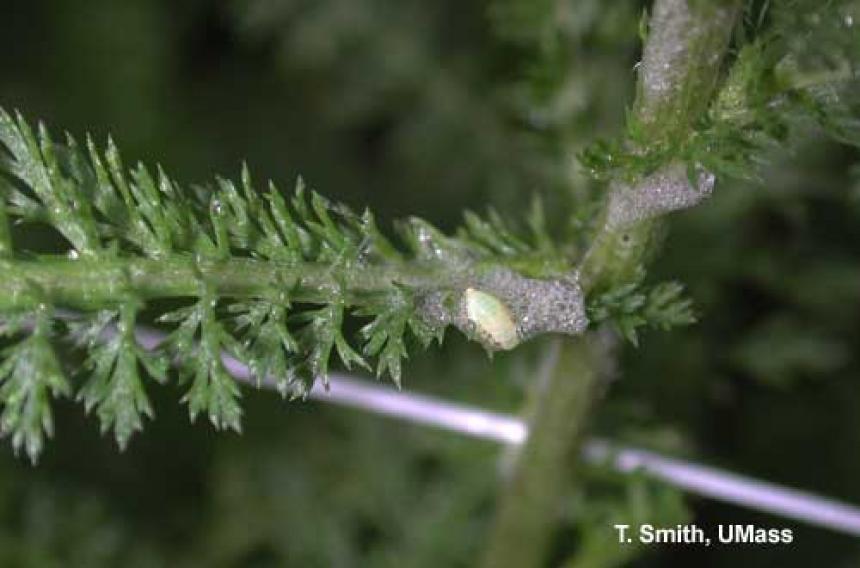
column 491, row 319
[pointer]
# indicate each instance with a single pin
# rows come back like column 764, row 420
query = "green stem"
column 95, row 283
column 561, row 408
column 681, row 61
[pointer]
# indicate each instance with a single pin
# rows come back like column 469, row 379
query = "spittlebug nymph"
column 491, row 319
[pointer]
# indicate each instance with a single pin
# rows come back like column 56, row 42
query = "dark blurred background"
column 417, row 107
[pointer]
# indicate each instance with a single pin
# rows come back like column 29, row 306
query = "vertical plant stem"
column 680, row 65
column 561, row 407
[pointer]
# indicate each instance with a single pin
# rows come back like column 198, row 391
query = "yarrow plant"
column 294, row 284
column 275, row 279
column 269, row 279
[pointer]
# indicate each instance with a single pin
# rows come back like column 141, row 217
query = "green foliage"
column 30, row 376
column 322, row 333
column 267, row 340
column 534, row 33
column 213, row 389
column 397, row 104
column 612, row 500
column 58, row 200
column 57, row 526
column 5, row 237
column 288, row 320
column 384, row 336
column 632, row 306
column 782, row 351
column 272, row 280
column 795, row 68
column 115, row 388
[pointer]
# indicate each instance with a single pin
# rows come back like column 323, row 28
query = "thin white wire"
column 702, row 480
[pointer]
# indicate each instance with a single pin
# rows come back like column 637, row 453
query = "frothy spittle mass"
column 670, row 189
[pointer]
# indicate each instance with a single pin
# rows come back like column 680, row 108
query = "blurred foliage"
column 794, row 68
column 414, row 107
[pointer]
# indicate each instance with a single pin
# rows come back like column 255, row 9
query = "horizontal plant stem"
column 88, row 283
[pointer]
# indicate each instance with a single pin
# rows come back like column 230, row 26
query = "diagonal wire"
column 694, row 478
